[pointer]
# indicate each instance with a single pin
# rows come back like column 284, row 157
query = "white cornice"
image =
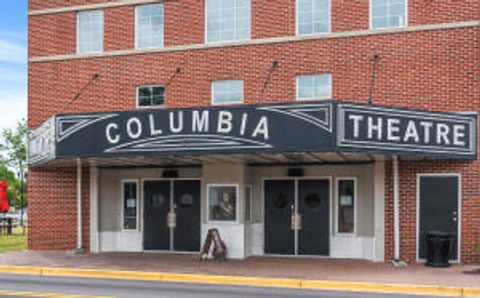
column 261, row 41
column 116, row 3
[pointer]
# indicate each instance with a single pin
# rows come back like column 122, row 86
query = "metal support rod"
column 79, row 93
column 79, row 204
column 270, row 72
column 396, row 210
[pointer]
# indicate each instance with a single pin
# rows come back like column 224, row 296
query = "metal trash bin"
column 437, row 248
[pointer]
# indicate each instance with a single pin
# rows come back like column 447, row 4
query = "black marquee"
column 328, row 126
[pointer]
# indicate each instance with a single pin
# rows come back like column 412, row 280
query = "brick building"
column 297, row 127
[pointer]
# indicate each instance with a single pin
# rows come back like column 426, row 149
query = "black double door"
column 310, row 200
column 438, row 209
column 181, row 197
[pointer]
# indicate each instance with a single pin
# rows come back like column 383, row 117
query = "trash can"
column 437, row 248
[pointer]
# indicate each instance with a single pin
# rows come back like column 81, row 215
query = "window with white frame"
column 150, row 96
column 222, row 202
column 388, row 13
column 346, row 205
column 90, row 31
column 225, row 92
column 149, row 26
column 130, row 202
column 313, row 16
column 227, row 20
column 248, row 203
column 317, row 86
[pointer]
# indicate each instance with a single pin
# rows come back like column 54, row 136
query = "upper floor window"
column 90, row 31
column 227, row 20
column 388, row 13
column 313, row 16
column 149, row 26
column 150, row 96
column 314, row 86
column 225, row 92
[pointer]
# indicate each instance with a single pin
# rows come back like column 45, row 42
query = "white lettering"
column 200, row 123
column 411, row 132
column 426, row 130
column 154, row 131
column 377, row 127
column 108, row 131
column 392, row 128
column 138, row 124
column 262, row 128
column 224, row 122
column 459, row 135
column 356, row 124
column 244, row 124
column 442, row 134
column 179, row 128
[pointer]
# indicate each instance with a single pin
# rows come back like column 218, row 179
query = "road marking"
column 44, row 295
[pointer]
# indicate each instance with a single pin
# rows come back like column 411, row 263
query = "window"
column 222, row 202
column 227, row 20
column 314, row 86
column 150, row 96
column 149, row 26
column 388, row 13
column 248, row 203
column 313, row 16
column 90, row 31
column 129, row 194
column 346, row 206
column 224, row 92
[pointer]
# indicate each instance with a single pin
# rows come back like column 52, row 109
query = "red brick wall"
column 470, row 210
column 442, row 76
column 433, row 70
column 52, row 207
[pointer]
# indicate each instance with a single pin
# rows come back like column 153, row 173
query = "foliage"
column 13, row 192
column 14, row 156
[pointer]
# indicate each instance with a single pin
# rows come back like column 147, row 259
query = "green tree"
column 13, row 191
column 15, row 150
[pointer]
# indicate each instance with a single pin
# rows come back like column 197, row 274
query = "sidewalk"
column 296, row 270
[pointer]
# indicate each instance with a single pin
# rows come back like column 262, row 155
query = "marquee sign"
column 299, row 127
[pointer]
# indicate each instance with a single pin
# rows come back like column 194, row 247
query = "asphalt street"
column 39, row 286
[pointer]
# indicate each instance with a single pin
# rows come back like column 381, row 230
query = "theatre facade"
column 350, row 143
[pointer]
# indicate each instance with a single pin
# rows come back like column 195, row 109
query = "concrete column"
column 379, row 194
column 79, row 205
column 94, row 214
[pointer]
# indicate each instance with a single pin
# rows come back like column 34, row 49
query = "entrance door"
column 438, row 209
column 187, row 206
column 156, row 207
column 279, row 206
column 314, row 207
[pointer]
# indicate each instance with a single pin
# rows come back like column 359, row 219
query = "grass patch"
column 15, row 242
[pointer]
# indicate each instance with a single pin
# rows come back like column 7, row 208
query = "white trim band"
column 260, row 41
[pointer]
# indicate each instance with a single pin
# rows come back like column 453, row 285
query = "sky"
column 13, row 62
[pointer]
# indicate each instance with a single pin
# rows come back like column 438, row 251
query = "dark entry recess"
column 438, row 204
column 186, row 195
column 314, row 206
column 279, row 206
column 156, row 207
column 158, row 203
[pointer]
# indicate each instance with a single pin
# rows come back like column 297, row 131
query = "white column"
column 379, row 170
column 79, row 204
column 94, row 215
column 396, row 210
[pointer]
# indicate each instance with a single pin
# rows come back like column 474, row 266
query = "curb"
column 247, row 281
